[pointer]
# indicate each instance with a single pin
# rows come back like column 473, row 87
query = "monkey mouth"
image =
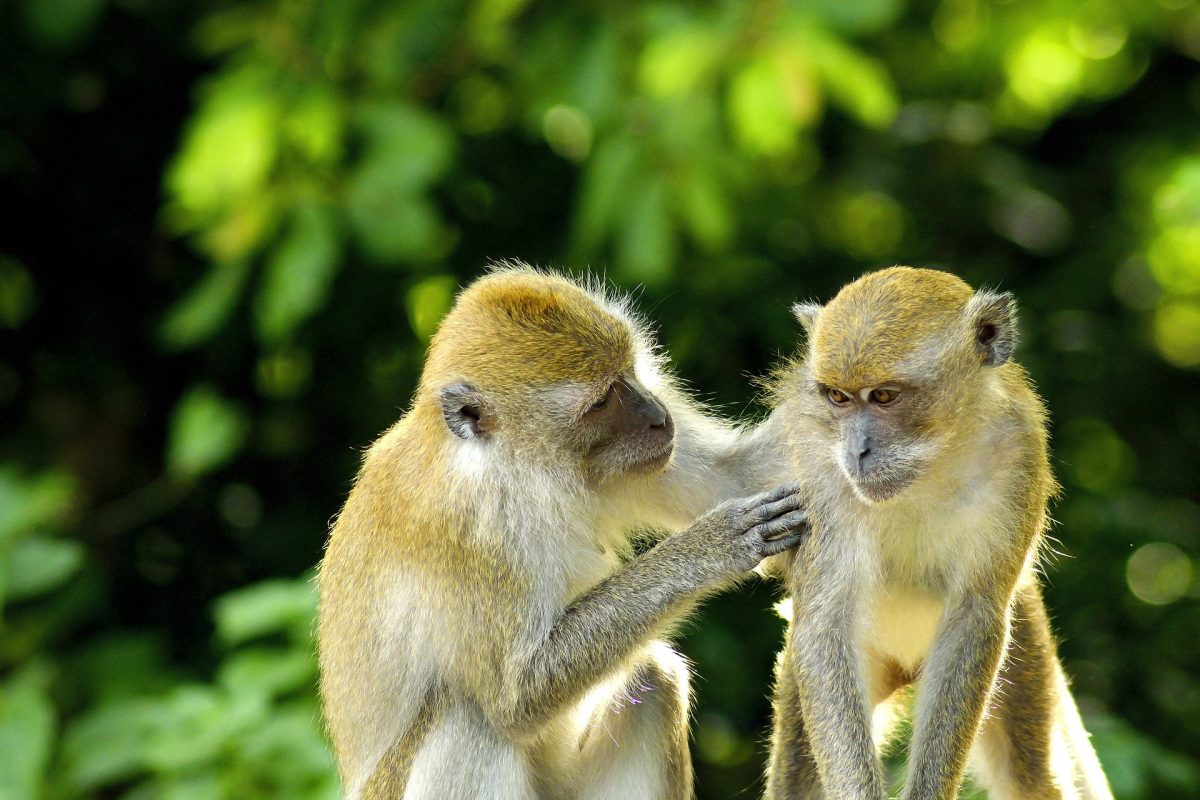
column 656, row 460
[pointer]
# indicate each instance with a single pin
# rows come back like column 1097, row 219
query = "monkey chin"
column 875, row 492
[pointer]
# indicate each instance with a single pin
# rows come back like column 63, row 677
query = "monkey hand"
column 740, row 533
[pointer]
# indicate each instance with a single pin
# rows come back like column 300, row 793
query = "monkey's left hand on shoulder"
column 736, row 535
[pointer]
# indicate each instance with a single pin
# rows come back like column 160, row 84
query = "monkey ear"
column 467, row 412
column 993, row 317
column 807, row 314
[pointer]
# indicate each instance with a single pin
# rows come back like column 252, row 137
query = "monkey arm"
column 597, row 633
column 956, row 683
column 603, row 627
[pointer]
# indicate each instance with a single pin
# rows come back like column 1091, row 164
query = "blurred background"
column 233, row 226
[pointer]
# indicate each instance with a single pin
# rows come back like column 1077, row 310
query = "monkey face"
column 625, row 430
column 879, row 448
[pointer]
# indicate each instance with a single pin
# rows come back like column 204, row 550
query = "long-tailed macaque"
column 479, row 633
column 921, row 450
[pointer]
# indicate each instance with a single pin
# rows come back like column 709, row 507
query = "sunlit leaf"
column 266, row 608
column 428, row 302
column 315, row 125
column 770, row 98
column 673, row 63
column 299, row 272
column 38, row 564
column 206, row 431
column 229, row 147
column 27, row 723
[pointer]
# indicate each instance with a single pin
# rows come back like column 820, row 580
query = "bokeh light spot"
column 568, row 131
column 1177, row 333
column 1158, row 573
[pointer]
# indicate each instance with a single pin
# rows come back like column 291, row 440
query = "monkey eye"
column 837, row 396
column 884, row 397
column 603, row 401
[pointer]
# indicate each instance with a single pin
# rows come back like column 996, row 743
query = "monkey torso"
column 977, row 512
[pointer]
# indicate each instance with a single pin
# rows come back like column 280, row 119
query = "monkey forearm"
column 603, row 627
column 955, row 686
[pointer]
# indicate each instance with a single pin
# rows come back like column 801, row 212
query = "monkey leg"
column 791, row 769
column 1032, row 743
column 462, row 757
column 635, row 746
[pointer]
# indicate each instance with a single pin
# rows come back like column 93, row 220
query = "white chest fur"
column 927, row 551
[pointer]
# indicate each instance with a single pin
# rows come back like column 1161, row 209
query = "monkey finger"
column 768, row 511
column 792, row 521
column 773, row 547
column 776, row 494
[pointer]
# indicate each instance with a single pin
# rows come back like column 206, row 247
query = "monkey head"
column 895, row 362
column 532, row 364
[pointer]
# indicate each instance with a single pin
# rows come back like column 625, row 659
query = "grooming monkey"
column 921, row 449
column 479, row 636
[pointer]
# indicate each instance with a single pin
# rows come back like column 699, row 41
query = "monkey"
column 921, row 449
column 483, row 630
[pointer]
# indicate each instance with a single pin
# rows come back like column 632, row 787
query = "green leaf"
column 704, row 209
column 859, row 17
column 289, row 753
column 18, row 294
column 385, row 202
column 392, row 223
column 647, row 245
column 265, row 608
column 26, row 733
column 604, row 188
column 206, row 786
column 37, row 565
column 62, row 23
column 190, row 726
column 205, row 309
column 299, row 273
column 30, row 503
column 674, row 63
column 415, row 146
column 229, row 148
column 772, row 96
column 857, row 83
column 268, row 671
column 206, row 431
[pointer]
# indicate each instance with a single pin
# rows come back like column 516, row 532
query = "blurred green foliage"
column 233, row 227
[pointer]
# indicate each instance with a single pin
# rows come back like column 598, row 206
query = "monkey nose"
column 864, row 453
